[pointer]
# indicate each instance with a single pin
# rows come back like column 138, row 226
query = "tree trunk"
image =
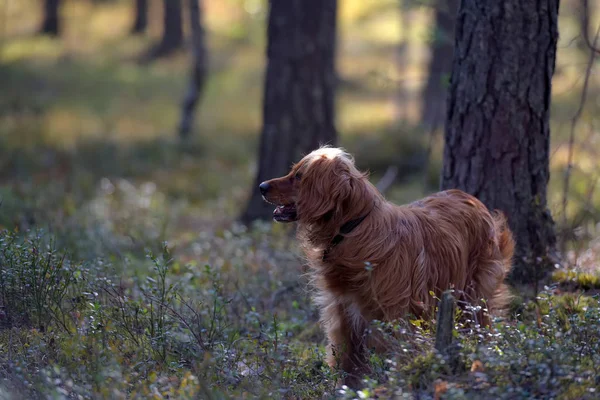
column 433, row 107
column 402, row 98
column 141, row 17
column 298, row 106
column 586, row 11
column 172, row 38
column 199, row 69
column 51, row 23
column 497, row 125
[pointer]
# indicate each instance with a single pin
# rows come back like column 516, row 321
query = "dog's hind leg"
column 347, row 347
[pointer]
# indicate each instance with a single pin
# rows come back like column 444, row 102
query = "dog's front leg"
column 347, row 346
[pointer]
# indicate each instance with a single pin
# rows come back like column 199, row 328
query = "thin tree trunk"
column 141, row 17
column 172, row 38
column 199, row 69
column 498, row 120
column 586, row 11
column 298, row 107
column 51, row 23
column 433, row 108
column 402, row 63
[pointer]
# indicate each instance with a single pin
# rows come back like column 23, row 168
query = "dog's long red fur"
column 387, row 265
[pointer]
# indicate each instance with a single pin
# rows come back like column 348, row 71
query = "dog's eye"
column 298, row 176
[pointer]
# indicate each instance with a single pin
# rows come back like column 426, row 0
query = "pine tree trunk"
column 497, row 126
column 141, row 17
column 172, row 37
column 51, row 23
column 433, row 108
column 199, row 69
column 298, row 107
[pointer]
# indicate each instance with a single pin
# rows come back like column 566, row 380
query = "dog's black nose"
column 264, row 188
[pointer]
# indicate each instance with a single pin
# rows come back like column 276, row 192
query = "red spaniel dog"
column 371, row 259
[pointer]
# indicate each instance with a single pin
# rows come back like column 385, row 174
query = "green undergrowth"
column 118, row 290
column 159, row 324
column 584, row 280
column 149, row 327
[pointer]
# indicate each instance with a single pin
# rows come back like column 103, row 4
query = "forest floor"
column 124, row 273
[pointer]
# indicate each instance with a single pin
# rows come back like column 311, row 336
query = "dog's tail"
column 506, row 245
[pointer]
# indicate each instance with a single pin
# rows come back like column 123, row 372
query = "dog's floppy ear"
column 326, row 186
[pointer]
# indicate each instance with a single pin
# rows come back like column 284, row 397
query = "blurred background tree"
column 433, row 108
column 298, row 105
column 198, row 71
column 403, row 62
column 140, row 23
column 51, row 22
column 172, row 34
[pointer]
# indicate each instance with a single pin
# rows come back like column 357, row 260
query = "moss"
column 584, row 280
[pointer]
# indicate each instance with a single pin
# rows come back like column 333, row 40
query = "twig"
column 196, row 334
column 574, row 121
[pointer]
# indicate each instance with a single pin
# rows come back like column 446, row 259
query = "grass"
column 125, row 275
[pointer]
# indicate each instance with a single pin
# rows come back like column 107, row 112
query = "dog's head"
column 323, row 186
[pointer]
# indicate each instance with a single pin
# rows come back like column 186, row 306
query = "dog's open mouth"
column 285, row 213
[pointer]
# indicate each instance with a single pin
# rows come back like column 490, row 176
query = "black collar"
column 344, row 230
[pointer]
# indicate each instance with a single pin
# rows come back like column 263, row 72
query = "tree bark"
column 199, row 70
column 141, row 17
column 51, row 23
column 586, row 11
column 172, row 37
column 445, row 322
column 433, row 107
column 298, row 105
column 402, row 98
column 497, row 125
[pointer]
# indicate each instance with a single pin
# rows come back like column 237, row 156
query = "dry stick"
column 574, row 121
column 444, row 334
column 196, row 334
column 445, row 322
